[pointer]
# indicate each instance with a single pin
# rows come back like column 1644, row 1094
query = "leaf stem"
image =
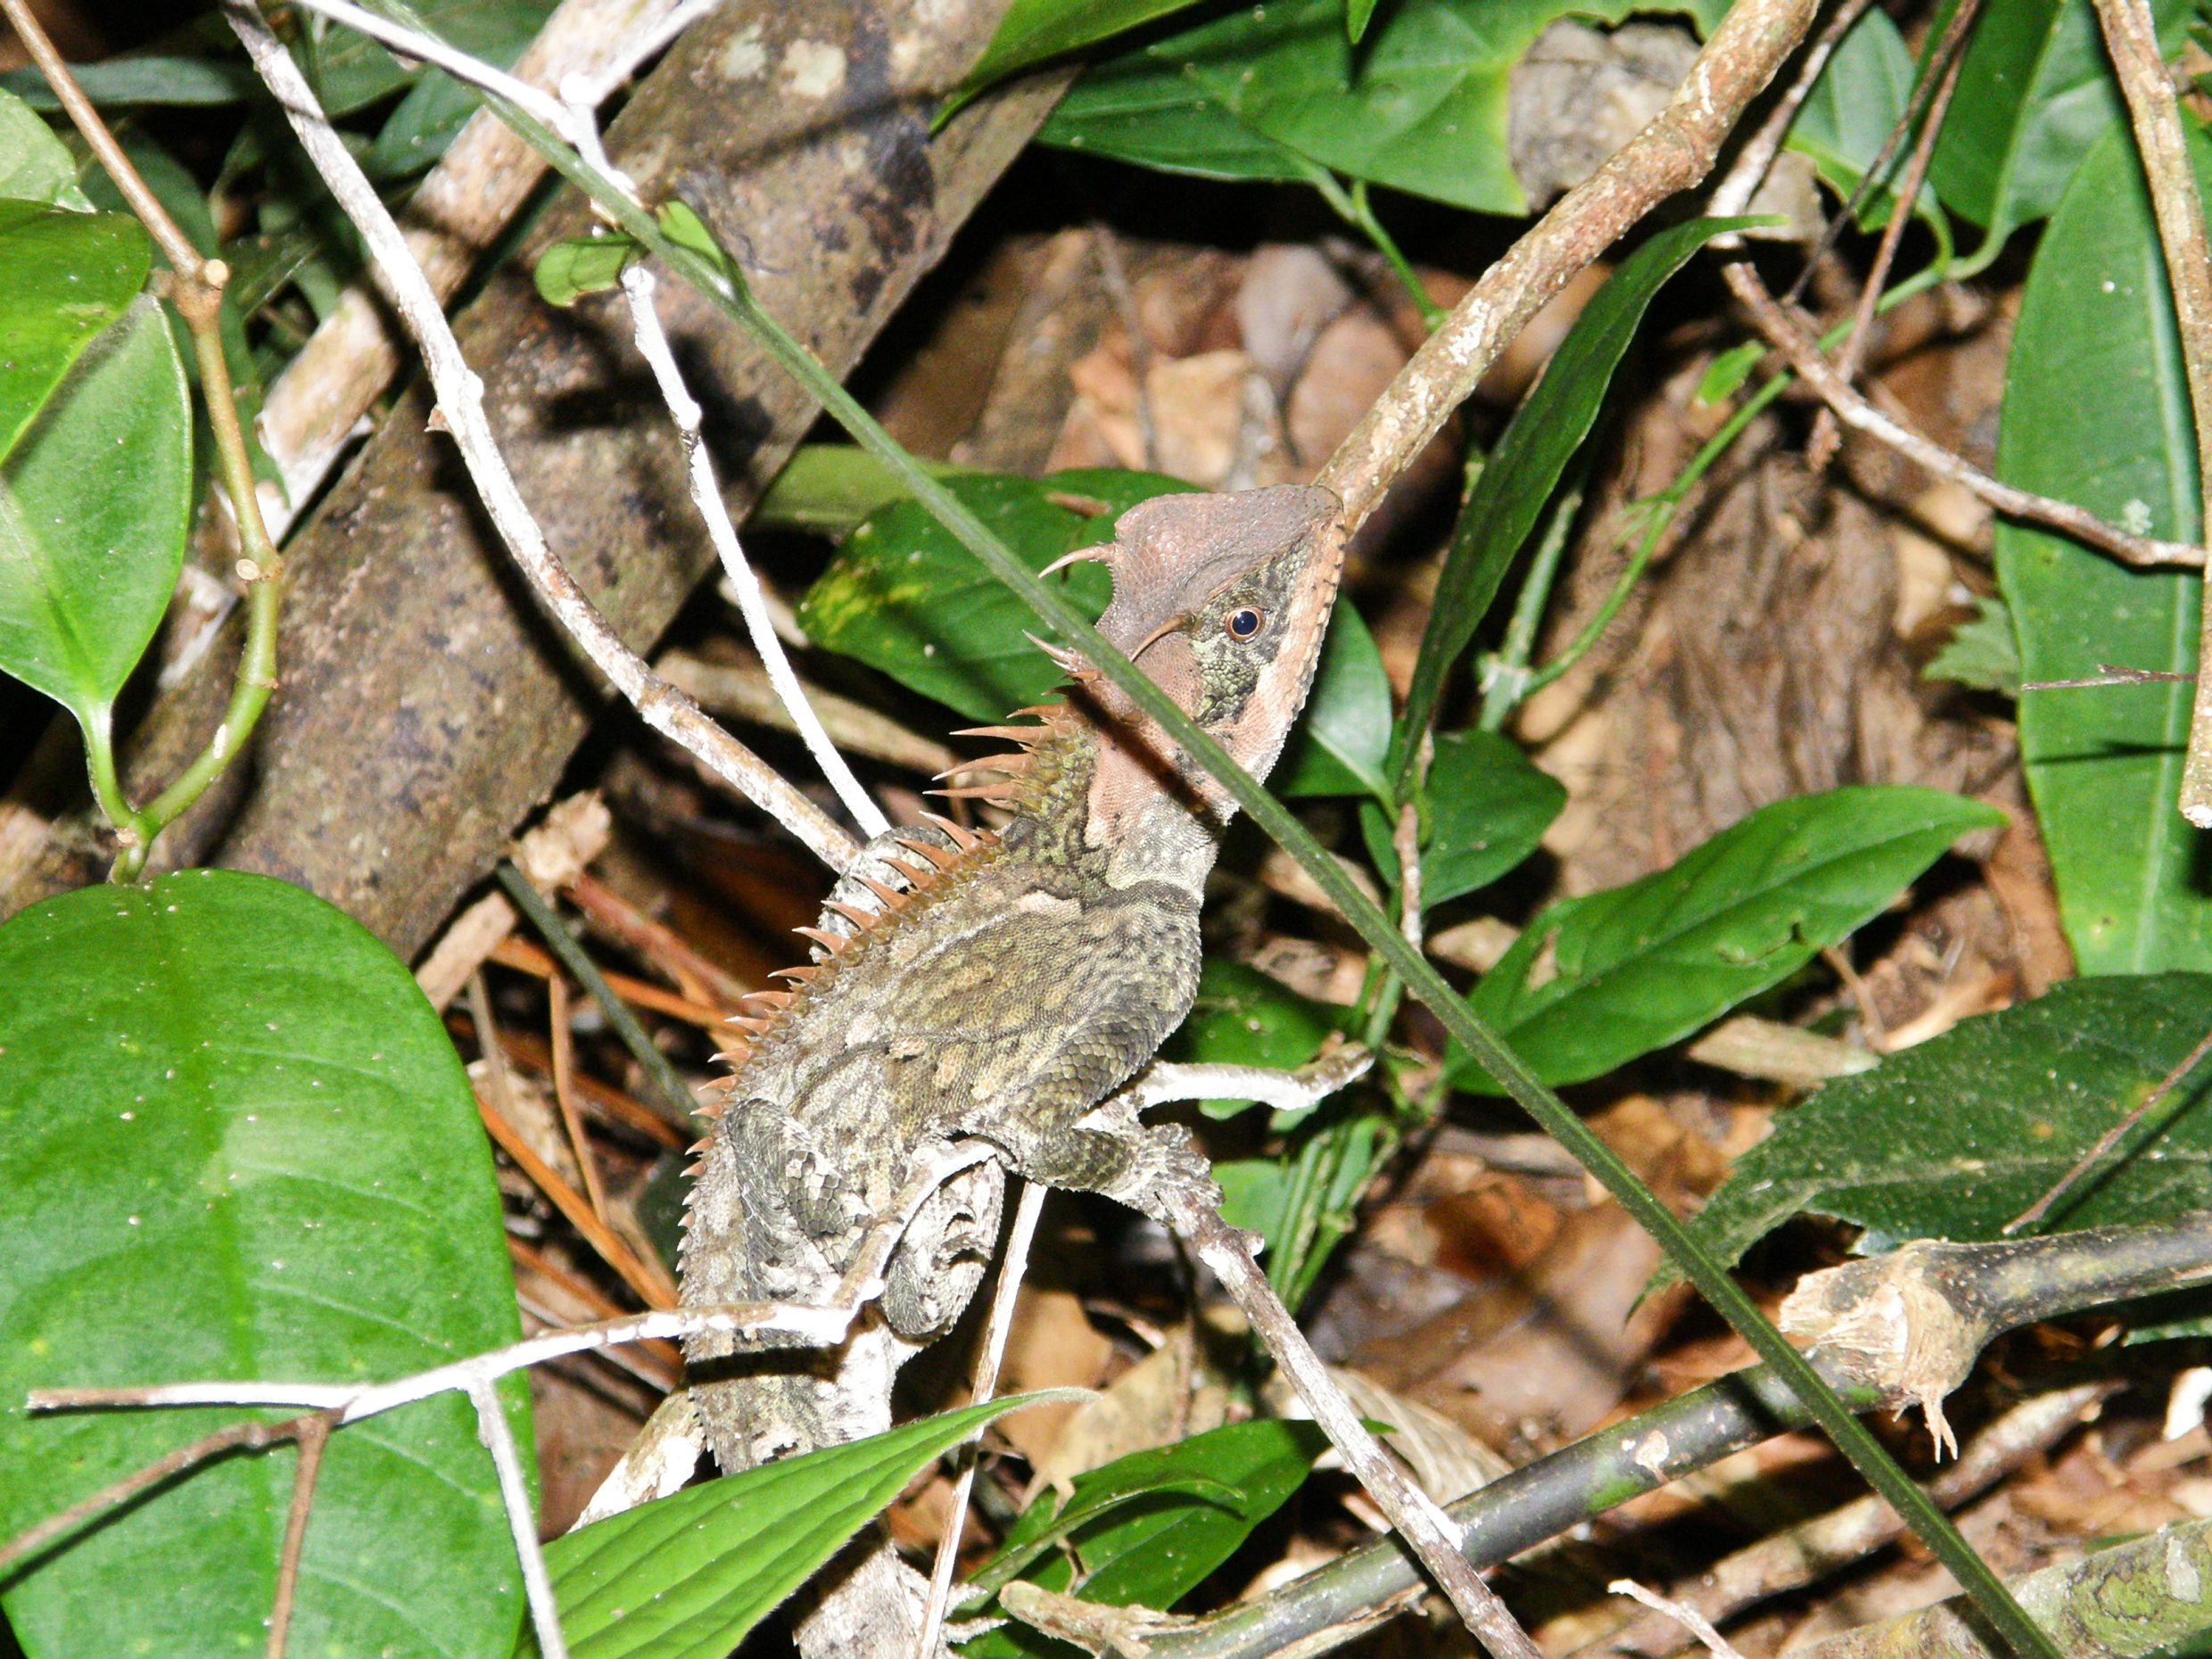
column 197, row 294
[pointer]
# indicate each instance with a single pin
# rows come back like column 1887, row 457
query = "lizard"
column 995, row 984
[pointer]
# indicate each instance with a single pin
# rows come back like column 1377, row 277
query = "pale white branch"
column 460, row 403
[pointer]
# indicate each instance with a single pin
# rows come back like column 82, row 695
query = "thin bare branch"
column 1013, row 1264
column 499, row 1438
column 314, row 1435
column 1688, row 1617
column 460, row 404
column 1802, row 353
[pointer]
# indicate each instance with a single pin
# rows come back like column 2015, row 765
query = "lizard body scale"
column 999, row 986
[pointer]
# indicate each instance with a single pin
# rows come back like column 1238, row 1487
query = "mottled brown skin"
column 1000, row 987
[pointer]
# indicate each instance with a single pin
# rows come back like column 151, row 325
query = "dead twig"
column 1013, row 1264
column 314, row 1435
column 1944, row 77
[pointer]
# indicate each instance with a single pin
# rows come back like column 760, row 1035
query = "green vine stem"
column 717, row 280
column 195, row 289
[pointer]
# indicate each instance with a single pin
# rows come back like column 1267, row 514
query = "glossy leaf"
column 1594, row 981
column 2096, row 411
column 1489, row 807
column 1953, row 1137
column 1343, row 735
column 1525, row 464
column 1243, row 1017
column 1274, row 90
column 35, row 165
column 64, row 277
column 1858, row 102
column 1034, row 30
column 2035, row 94
column 1153, row 1552
column 235, row 1142
column 92, row 510
column 904, row 598
column 685, row 1576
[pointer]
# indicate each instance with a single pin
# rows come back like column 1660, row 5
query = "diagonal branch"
column 460, row 403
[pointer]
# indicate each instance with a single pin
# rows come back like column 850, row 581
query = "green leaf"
column 1273, row 90
column 1953, row 1137
column 1981, row 652
column 1598, row 980
column 1154, row 1551
column 685, row 1576
column 576, row 266
column 2035, row 94
column 2096, row 412
column 1525, row 464
column 94, row 505
column 1357, row 14
column 829, row 487
column 684, row 228
column 1034, row 30
column 1343, row 737
column 35, row 166
column 1243, row 1017
column 1489, row 807
column 64, row 277
column 1039, row 1527
column 904, row 598
column 236, row 1142
column 1859, row 101
column 155, row 79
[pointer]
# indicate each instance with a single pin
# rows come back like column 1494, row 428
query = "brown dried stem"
column 1950, row 56
column 1789, row 336
column 314, row 1435
column 2130, row 37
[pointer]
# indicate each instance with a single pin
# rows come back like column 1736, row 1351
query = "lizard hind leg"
column 1109, row 1150
column 941, row 1260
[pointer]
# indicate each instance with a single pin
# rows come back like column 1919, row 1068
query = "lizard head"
column 1222, row 601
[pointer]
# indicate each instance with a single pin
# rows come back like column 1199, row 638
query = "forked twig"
column 461, row 401
column 313, row 1436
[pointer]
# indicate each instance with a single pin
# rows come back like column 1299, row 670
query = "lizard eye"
column 1244, row 621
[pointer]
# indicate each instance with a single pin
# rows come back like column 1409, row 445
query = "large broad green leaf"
column 35, row 166
column 235, row 1142
column 2096, row 411
column 1343, row 737
column 1598, row 980
column 64, row 277
column 1275, row 89
column 687, row 1576
column 1955, row 1137
column 1525, row 464
column 92, row 510
column 1853, row 108
column 1243, row 1017
column 1155, row 1550
column 2033, row 96
column 1488, row 806
column 903, row 597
